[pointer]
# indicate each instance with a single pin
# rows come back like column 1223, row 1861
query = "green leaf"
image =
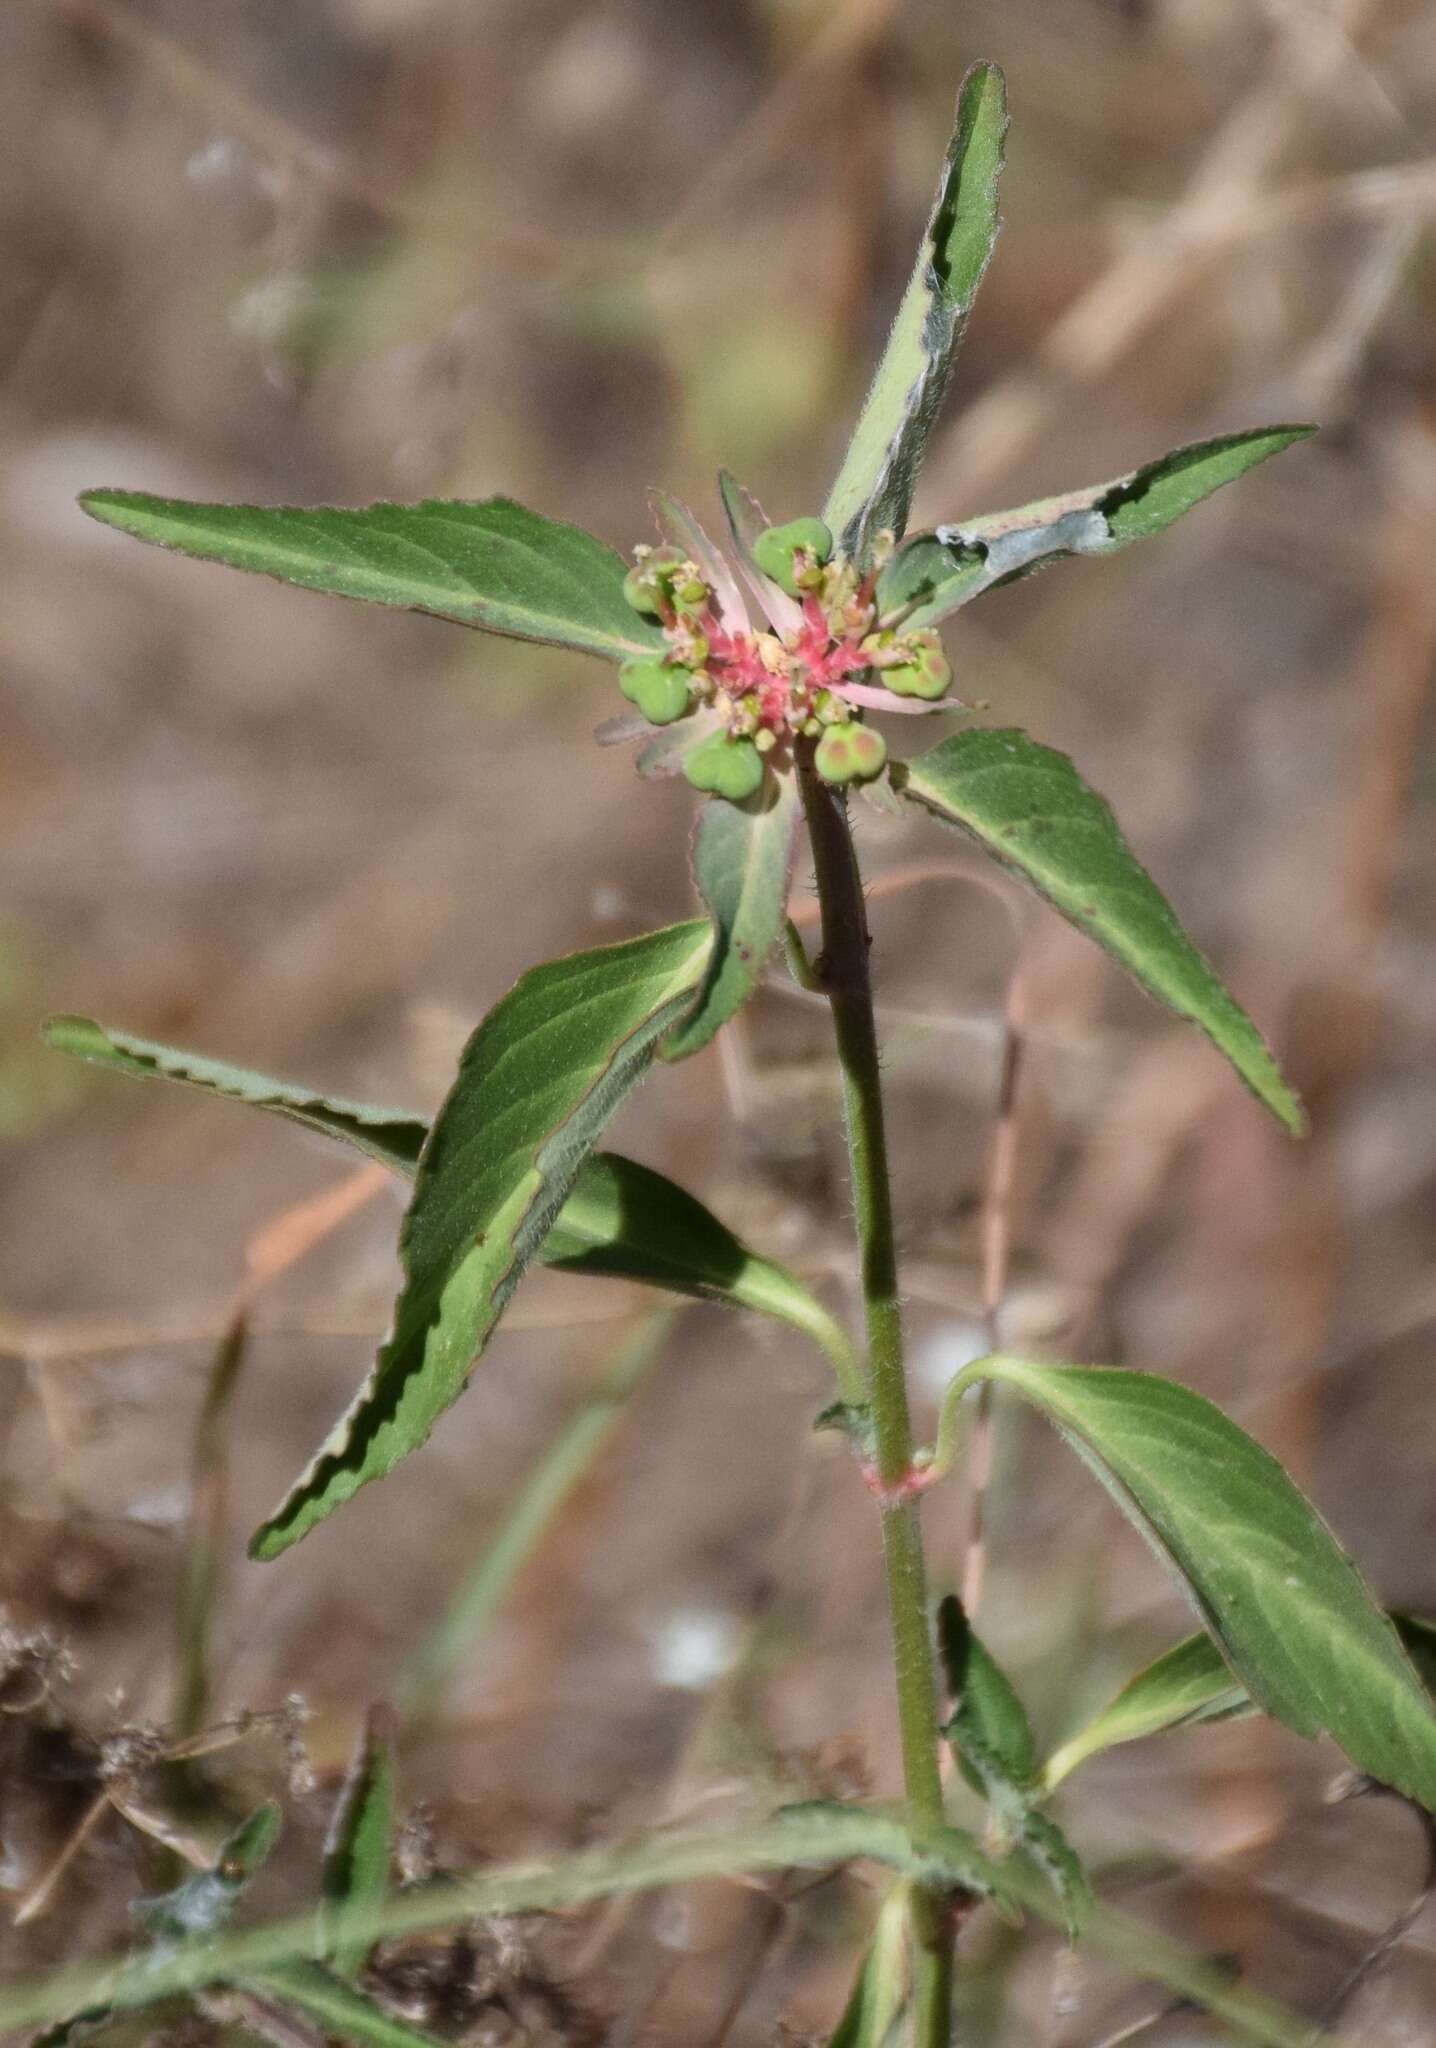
column 491, row 564
column 987, row 1714
column 991, row 1737
column 538, row 1081
column 345, row 2013
column 1189, row 1684
column 743, row 865
column 935, row 573
column 881, row 1994
column 621, row 1221
column 356, row 1871
column 874, row 487
column 393, row 1137
column 1028, row 806
column 625, row 1222
column 1192, row 1684
column 1285, row 1604
column 203, row 1903
column 185, row 1918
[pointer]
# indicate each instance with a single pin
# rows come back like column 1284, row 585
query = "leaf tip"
column 270, row 1540
column 105, row 504
column 79, row 1035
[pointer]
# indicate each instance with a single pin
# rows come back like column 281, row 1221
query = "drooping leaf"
column 625, row 1222
column 357, row 1855
column 489, row 563
column 743, row 865
column 881, row 1995
column 874, row 487
column 391, row 1136
column 1029, row 807
column 1191, row 1684
column 538, row 1081
column 933, row 574
column 621, row 1221
column 991, row 1737
column 1273, row 1587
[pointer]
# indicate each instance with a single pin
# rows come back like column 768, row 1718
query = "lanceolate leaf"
column 934, row 573
column 621, row 1220
column 356, row 1872
column 1286, row 1605
column 391, row 1136
column 345, row 2013
column 883, row 1990
column 539, row 1079
column 987, row 1714
column 743, row 865
column 875, row 485
column 492, row 564
column 991, row 1738
column 1028, row 806
column 1193, row 1683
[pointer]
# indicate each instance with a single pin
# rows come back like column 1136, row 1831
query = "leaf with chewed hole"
column 539, row 1080
column 1027, row 805
column 488, row 563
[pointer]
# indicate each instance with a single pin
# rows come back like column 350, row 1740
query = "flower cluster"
column 817, row 660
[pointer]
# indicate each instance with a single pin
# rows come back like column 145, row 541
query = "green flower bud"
column 774, row 553
column 725, row 766
column 850, row 753
column 641, row 590
column 927, row 672
column 661, row 691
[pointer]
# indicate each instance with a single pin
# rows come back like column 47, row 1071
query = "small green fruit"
column 640, row 589
column 775, row 549
column 927, row 674
column 850, row 753
column 726, row 767
column 661, row 690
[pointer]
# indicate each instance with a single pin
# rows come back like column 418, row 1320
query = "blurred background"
column 348, row 249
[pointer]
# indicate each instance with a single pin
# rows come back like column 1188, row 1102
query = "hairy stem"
column 842, row 970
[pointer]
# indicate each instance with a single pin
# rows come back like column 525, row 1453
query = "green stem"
column 844, row 974
column 430, row 1670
